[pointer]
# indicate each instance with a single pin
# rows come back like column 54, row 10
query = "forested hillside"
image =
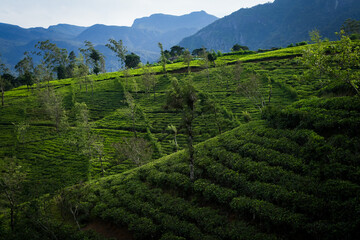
column 273, row 144
column 276, row 24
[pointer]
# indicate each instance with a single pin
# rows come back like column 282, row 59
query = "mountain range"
column 276, row 24
column 142, row 37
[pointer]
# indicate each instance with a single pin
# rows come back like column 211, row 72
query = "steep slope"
column 276, row 24
column 108, row 113
column 293, row 175
column 254, row 182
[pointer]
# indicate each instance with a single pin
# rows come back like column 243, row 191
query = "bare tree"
column 187, row 58
column 133, row 111
column 52, row 103
column 138, row 150
column 205, row 63
column 149, row 80
column 162, row 57
column 250, row 88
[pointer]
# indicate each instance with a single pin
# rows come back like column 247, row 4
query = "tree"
column 187, row 59
column 25, row 69
column 351, row 27
column 176, row 51
column 93, row 58
column 133, row 111
column 119, row 49
column 70, row 69
column 54, row 59
column 82, row 128
column 81, row 71
column 198, row 51
column 127, row 75
column 337, row 62
column 209, row 105
column 3, row 81
column 250, row 88
column 212, row 57
column 222, row 73
column 205, row 63
column 12, row 177
column 42, row 74
column 162, row 57
column 97, row 149
column 137, row 150
column 174, row 130
column 149, row 80
column 53, row 107
column 237, row 72
column 20, row 130
column 238, row 47
column 89, row 144
column 132, row 60
column 183, row 97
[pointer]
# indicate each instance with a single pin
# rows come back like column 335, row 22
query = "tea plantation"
column 287, row 170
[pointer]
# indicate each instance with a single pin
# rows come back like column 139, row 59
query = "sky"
column 43, row 13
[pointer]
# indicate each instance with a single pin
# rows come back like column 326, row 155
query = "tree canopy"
column 132, row 60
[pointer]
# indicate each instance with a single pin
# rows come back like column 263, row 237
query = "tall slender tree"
column 162, row 57
column 149, row 80
column 25, row 69
column 187, row 58
column 93, row 58
column 3, row 81
column 119, row 49
column 183, row 97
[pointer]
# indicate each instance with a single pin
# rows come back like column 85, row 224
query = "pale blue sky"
column 42, row 13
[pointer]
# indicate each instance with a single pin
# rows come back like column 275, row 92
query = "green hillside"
column 291, row 172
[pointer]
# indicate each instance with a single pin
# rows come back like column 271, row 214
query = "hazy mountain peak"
column 165, row 22
column 67, row 29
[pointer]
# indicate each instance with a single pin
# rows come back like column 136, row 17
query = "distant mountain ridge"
column 276, row 24
column 141, row 38
column 164, row 22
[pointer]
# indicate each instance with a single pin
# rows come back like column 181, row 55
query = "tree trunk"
column 12, row 220
column 208, row 75
column 270, row 93
column 176, row 144
column 102, row 167
column 133, row 124
column 217, row 122
column 74, row 213
column 191, row 151
column 2, row 96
